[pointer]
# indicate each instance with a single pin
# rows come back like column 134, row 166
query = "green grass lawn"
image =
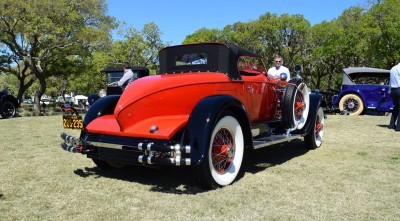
column 355, row 175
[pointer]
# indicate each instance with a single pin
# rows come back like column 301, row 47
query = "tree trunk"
column 38, row 95
column 22, row 89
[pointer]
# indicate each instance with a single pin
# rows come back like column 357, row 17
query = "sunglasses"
column 278, row 61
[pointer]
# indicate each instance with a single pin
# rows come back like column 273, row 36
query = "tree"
column 139, row 48
column 41, row 34
column 20, row 70
column 383, row 36
column 204, row 35
column 325, row 58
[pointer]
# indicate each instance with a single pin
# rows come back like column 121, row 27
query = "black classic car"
column 113, row 74
column 8, row 104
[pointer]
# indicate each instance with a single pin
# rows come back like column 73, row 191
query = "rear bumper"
column 129, row 151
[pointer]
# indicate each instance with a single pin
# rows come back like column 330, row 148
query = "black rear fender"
column 103, row 106
column 203, row 119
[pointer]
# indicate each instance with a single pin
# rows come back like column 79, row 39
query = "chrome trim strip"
column 273, row 142
column 106, row 145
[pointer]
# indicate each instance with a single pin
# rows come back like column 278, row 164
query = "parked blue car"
column 363, row 89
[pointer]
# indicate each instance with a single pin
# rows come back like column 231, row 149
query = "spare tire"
column 295, row 106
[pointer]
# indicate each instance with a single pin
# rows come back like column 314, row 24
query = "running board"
column 274, row 139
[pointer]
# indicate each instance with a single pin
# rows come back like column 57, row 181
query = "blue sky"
column 178, row 18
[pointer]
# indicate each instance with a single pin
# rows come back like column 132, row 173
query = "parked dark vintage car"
column 208, row 105
column 363, row 89
column 113, row 75
column 8, row 104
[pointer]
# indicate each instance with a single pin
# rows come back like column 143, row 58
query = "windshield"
column 251, row 65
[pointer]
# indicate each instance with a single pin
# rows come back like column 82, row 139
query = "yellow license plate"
column 72, row 121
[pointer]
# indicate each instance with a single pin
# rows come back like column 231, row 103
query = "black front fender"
column 10, row 98
column 315, row 103
column 203, row 119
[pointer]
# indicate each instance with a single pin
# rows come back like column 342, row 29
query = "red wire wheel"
column 222, row 150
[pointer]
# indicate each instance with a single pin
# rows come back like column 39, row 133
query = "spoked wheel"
column 314, row 138
column 224, row 155
column 295, row 106
column 7, row 109
column 351, row 104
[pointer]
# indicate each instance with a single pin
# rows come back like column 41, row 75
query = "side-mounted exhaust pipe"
column 71, row 144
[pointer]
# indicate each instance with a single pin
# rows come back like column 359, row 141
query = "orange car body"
column 168, row 100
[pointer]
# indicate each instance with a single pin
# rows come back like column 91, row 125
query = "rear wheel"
column 295, row 106
column 224, row 155
column 313, row 139
column 7, row 109
column 351, row 104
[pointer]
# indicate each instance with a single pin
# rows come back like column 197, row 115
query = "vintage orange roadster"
column 209, row 104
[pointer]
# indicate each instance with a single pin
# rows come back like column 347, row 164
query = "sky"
column 178, row 18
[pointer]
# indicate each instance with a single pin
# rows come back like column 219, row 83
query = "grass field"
column 355, row 175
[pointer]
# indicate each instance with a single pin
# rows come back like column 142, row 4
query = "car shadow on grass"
column 180, row 180
column 261, row 159
column 176, row 180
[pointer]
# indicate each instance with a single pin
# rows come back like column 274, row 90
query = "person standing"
column 278, row 69
column 128, row 76
column 394, row 90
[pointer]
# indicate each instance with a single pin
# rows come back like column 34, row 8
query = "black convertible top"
column 204, row 57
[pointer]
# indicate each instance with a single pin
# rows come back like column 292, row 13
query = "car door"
column 376, row 96
column 260, row 91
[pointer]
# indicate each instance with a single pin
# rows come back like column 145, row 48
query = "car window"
column 191, row 59
column 372, row 80
column 114, row 76
column 251, row 66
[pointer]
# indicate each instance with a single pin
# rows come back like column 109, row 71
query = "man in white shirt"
column 128, row 76
column 278, row 69
column 394, row 90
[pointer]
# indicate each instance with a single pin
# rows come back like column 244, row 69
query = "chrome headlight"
column 283, row 76
column 102, row 93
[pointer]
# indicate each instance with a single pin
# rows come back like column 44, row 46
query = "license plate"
column 72, row 121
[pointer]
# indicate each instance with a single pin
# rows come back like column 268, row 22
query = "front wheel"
column 224, row 155
column 7, row 109
column 313, row 139
column 351, row 104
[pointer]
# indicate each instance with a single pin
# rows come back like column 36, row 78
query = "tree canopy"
column 358, row 37
column 43, row 37
column 58, row 46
